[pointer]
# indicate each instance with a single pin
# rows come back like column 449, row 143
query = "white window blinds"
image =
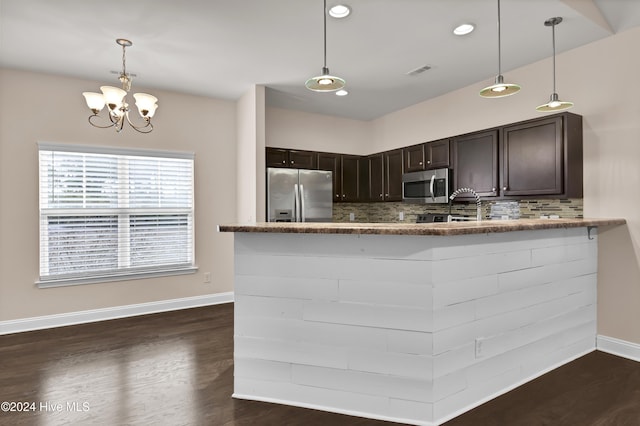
column 108, row 213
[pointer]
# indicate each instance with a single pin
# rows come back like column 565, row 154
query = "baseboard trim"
column 94, row 315
column 513, row 386
column 330, row 409
column 618, row 347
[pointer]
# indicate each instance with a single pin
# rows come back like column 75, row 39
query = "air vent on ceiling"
column 419, row 70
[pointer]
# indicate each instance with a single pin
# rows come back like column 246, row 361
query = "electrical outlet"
column 207, row 277
column 401, row 216
column 479, row 347
column 352, row 217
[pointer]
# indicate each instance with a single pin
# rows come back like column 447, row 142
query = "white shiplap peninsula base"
column 409, row 328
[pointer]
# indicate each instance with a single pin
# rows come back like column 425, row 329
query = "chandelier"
column 118, row 108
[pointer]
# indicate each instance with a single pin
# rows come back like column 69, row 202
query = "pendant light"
column 499, row 89
column 554, row 104
column 325, row 82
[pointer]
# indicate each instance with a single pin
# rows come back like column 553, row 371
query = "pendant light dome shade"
column 325, row 82
column 554, row 104
column 499, row 89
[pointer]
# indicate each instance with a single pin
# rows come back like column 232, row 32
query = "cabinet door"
column 363, row 179
column 393, row 175
column 376, row 176
column 475, row 162
column 414, row 159
column 437, row 153
column 277, row 157
column 532, row 158
column 303, row 159
column 349, row 178
column 331, row 162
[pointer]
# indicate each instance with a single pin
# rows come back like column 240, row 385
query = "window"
column 109, row 214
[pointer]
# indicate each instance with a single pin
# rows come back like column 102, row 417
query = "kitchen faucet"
column 470, row 191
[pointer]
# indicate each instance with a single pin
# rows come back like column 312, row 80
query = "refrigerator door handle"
column 302, row 218
column 296, row 203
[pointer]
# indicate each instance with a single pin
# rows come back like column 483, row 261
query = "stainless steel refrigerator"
column 296, row 195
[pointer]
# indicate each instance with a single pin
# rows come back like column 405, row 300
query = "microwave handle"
column 431, row 187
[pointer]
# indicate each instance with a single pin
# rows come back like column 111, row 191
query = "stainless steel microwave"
column 429, row 186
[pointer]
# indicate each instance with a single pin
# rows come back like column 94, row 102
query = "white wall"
column 315, row 132
column 251, row 156
column 37, row 107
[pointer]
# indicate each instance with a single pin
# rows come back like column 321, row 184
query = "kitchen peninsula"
column 414, row 323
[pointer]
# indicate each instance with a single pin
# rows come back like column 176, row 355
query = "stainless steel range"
column 440, row 217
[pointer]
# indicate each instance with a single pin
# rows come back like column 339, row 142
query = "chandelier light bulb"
column 95, row 101
column 113, row 96
column 146, row 104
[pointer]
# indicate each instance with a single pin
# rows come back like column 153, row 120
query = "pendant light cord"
column 553, row 41
column 324, row 13
column 499, row 44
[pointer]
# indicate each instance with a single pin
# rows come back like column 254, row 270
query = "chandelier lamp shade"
column 554, row 104
column 115, row 100
column 499, row 89
column 325, row 82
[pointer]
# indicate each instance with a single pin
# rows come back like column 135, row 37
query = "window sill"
column 63, row 282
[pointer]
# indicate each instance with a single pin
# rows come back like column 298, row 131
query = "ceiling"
column 221, row 48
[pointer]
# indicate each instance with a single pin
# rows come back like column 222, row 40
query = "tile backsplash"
column 523, row 209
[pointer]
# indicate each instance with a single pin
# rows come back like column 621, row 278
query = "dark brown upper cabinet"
column 393, row 175
column 475, row 164
column 437, row 154
column 385, row 176
column 278, row 157
column 303, row 159
column 542, row 157
column 376, row 177
column 414, row 158
column 349, row 178
column 429, row 155
column 331, row 162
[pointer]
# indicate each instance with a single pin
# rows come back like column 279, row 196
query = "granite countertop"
column 452, row 228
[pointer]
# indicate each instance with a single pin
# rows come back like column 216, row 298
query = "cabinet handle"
column 342, row 195
column 493, row 189
column 291, row 161
column 380, row 195
column 428, row 162
column 420, row 163
column 504, row 188
column 284, row 162
column 386, row 195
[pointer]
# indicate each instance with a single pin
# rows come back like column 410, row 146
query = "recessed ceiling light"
column 342, row 92
column 463, row 29
column 339, row 11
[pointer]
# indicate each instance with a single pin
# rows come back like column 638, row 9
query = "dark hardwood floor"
column 176, row 368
